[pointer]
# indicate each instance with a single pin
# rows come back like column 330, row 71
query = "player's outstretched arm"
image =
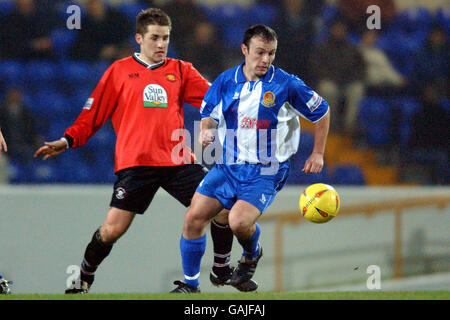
column 3, row 145
column 51, row 149
column 314, row 163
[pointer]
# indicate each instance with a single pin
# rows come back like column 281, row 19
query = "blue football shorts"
column 230, row 183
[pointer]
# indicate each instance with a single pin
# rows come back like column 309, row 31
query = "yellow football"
column 319, row 203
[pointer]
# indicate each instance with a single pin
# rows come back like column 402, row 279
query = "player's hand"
column 51, row 149
column 206, row 137
column 314, row 163
column 3, row 145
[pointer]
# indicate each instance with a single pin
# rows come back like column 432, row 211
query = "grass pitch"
column 347, row 295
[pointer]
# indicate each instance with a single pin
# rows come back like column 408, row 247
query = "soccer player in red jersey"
column 144, row 96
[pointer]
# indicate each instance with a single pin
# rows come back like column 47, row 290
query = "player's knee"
column 240, row 226
column 111, row 233
column 193, row 222
column 222, row 217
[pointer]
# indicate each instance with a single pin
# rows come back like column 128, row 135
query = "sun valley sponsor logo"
column 155, row 96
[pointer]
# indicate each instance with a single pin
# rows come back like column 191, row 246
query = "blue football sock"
column 250, row 245
column 191, row 255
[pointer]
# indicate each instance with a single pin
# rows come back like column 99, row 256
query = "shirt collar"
column 145, row 64
column 240, row 78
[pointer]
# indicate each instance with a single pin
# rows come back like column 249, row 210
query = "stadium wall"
column 45, row 229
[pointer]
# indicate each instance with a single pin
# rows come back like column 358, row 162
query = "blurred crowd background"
column 388, row 88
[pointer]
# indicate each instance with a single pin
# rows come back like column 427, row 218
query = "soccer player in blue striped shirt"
column 252, row 112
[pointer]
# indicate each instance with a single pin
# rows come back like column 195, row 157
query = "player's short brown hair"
column 151, row 16
column 259, row 30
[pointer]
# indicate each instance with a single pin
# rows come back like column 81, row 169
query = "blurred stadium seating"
column 56, row 91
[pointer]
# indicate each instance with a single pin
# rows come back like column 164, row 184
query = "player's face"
column 154, row 43
column 259, row 55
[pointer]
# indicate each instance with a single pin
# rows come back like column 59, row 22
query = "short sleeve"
column 212, row 100
column 308, row 103
column 195, row 86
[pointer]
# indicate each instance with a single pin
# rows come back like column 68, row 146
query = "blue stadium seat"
column 231, row 20
column 103, row 161
column 405, row 37
column 62, row 39
column 28, row 98
column 104, row 138
column 375, row 120
column 413, row 19
column 411, row 26
column 134, row 46
column 408, row 108
column 78, row 98
column 43, row 172
column 354, row 38
column 232, row 36
column 262, row 13
column 131, row 10
column 321, row 177
column 445, row 103
column 98, row 69
column 50, row 105
column 348, row 174
column 73, row 108
column 56, row 129
column 296, row 176
column 105, row 173
column 171, row 51
column 379, row 135
column 401, row 52
column 330, row 14
column 372, row 108
column 306, row 142
column 40, row 73
column 70, row 157
column 6, row 7
column 75, row 72
column 79, row 172
column 17, row 173
column 11, row 72
column 443, row 18
column 74, row 167
column 227, row 14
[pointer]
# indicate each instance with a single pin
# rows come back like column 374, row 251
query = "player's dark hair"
column 259, row 30
column 151, row 16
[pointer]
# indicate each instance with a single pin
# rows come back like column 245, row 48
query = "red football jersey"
column 145, row 103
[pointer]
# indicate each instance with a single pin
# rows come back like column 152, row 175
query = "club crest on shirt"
column 171, row 77
column 154, row 96
column 268, row 99
column 120, row 193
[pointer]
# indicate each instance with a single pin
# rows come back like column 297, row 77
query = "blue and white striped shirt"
column 258, row 120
